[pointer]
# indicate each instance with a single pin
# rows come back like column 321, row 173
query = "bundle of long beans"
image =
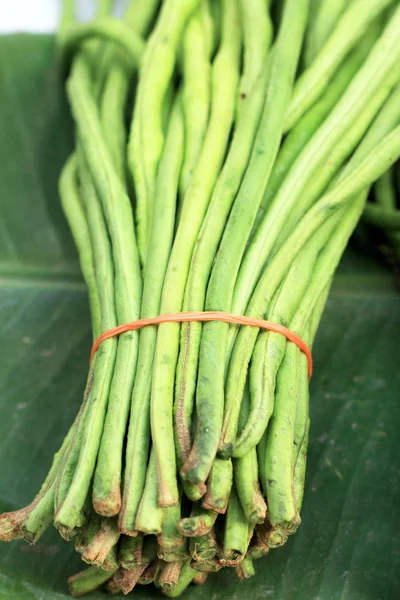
column 224, row 154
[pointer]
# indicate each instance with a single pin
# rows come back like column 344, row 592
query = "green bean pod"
column 360, row 178
column 200, row 522
column 97, row 551
column 150, row 573
column 195, row 94
column 101, row 369
column 130, row 551
column 169, row 575
column 281, row 506
column 210, row 234
column 340, row 153
column 236, row 531
column 150, row 516
column 257, row 36
column 245, row 472
column 219, row 484
column 74, row 212
column 385, row 191
column 202, row 260
column 158, row 255
column 104, row 276
column 245, row 569
column 107, row 28
column 208, row 26
column 303, row 131
column 204, row 548
column 224, row 82
column 117, row 83
column 127, row 285
column 321, row 25
column 349, row 29
column 170, row 537
column 146, row 139
column 267, row 356
column 88, row 532
column 210, row 383
column 380, row 64
column 185, row 578
column 172, row 545
column 87, row 581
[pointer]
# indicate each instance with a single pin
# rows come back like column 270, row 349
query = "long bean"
column 34, row 519
column 245, row 471
column 245, row 165
column 196, row 93
column 172, row 545
column 203, row 255
column 87, row 580
column 103, row 262
column 200, row 522
column 158, row 255
column 210, row 384
column 117, row 84
column 359, row 178
column 236, row 531
column 324, row 19
column 380, row 63
column 104, row 276
column 107, row 28
column 305, row 128
column 130, row 551
column 150, row 573
column 169, row 575
column 208, row 26
column 204, row 548
column 101, row 366
column 269, row 350
column 346, row 34
column 343, row 149
column 185, row 578
column 75, row 214
column 257, row 36
column 147, row 138
column 150, row 516
column 219, row 484
column 224, row 83
column 127, row 290
column 97, row 551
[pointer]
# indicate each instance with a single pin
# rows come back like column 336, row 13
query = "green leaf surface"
column 348, row 546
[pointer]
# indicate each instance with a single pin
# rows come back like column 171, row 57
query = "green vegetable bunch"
column 224, row 153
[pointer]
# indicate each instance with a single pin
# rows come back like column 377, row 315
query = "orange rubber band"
column 207, row 316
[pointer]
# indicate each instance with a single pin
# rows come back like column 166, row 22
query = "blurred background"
column 41, row 16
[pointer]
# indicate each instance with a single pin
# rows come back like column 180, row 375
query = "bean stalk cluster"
column 225, row 151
